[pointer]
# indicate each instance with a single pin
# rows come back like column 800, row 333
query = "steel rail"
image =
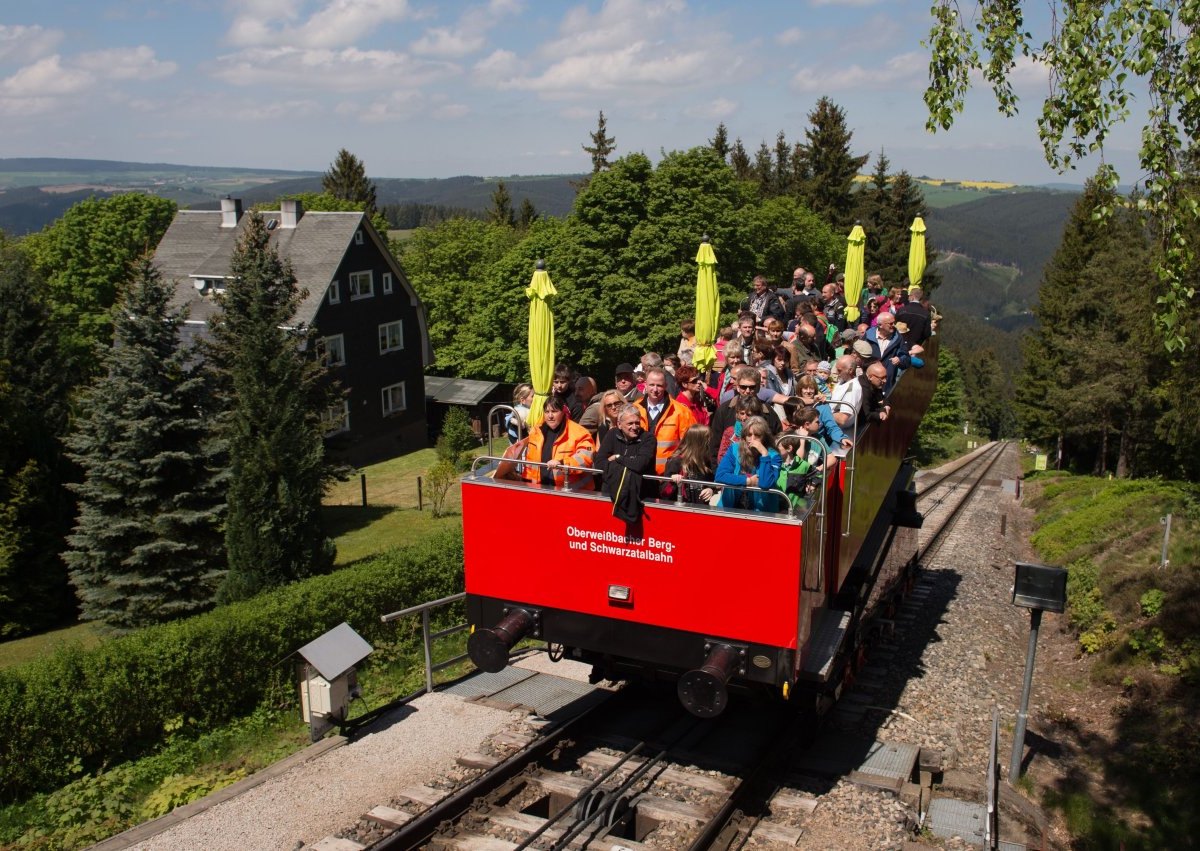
column 946, row 525
column 419, row 830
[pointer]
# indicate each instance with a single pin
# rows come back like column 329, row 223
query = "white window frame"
column 335, row 293
column 385, row 337
column 355, row 283
column 358, row 237
column 387, row 283
column 330, row 347
column 387, row 400
column 336, row 418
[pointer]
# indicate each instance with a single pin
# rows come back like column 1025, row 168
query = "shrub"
column 1152, row 602
column 439, row 479
column 80, row 710
column 457, row 440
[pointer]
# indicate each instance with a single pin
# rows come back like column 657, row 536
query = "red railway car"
column 708, row 597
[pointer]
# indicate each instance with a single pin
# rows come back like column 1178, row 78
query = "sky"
column 417, row 88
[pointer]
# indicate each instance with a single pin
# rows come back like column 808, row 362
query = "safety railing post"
column 425, row 643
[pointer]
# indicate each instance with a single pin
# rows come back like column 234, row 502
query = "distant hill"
column 550, row 194
column 35, row 191
column 993, row 250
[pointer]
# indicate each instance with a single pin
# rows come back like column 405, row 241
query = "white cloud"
column 451, row 111
column 902, row 71
column 338, row 23
column 398, row 105
column 790, row 36
column 348, row 69
column 46, row 77
column 20, row 43
column 615, row 25
column 497, row 66
column 469, row 33
column 126, row 63
column 443, row 41
column 714, row 110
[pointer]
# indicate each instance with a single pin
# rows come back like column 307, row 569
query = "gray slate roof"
column 196, row 246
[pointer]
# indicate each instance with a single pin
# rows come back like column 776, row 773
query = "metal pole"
column 420, row 496
column 428, row 652
column 1164, row 561
column 1014, row 768
column 362, row 478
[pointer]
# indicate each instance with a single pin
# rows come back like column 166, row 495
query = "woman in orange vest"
column 558, row 443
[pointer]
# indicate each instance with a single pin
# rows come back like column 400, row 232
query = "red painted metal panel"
column 701, row 570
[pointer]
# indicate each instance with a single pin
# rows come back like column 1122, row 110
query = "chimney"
column 231, row 211
column 290, row 213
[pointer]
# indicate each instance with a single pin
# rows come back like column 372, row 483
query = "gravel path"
column 324, row 795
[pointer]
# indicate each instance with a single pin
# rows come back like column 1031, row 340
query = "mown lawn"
column 22, row 650
column 391, row 517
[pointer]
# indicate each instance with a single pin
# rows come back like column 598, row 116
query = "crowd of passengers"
column 793, row 384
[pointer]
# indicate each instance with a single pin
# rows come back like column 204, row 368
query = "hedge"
column 82, row 710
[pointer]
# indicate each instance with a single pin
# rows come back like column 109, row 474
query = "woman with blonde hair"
column 515, row 422
column 611, row 404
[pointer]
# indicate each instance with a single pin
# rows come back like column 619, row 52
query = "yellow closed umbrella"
column 856, row 245
column 541, row 341
column 916, row 253
column 708, row 308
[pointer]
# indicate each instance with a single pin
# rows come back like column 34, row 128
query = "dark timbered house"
column 371, row 324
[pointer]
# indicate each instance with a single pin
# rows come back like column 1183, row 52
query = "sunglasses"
column 747, row 387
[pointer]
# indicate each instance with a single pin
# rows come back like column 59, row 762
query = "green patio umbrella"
column 916, row 253
column 856, row 245
column 708, row 307
column 541, row 341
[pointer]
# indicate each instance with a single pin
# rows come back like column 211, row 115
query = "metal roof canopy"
column 458, row 391
column 336, row 652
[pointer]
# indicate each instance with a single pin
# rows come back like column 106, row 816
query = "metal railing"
column 568, row 471
column 428, row 637
column 497, row 425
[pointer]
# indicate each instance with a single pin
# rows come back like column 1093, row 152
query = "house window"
column 336, row 418
column 391, row 337
column 362, row 285
column 358, row 237
column 387, row 283
column 331, row 351
column 335, row 293
column 393, row 399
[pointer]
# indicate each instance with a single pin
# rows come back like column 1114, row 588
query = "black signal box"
column 1040, row 586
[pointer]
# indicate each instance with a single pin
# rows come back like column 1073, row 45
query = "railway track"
column 634, row 772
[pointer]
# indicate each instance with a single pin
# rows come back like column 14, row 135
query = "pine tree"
column 147, row 546
column 1062, row 308
column 720, row 142
column 273, row 394
column 781, row 180
column 801, row 173
column 830, row 190
column 35, row 509
column 739, row 161
column 501, row 212
column 873, row 209
column 347, row 180
column 764, row 172
column 528, row 214
column 602, row 146
column 947, row 410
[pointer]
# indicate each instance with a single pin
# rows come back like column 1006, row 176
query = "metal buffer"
column 702, row 690
column 488, row 648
